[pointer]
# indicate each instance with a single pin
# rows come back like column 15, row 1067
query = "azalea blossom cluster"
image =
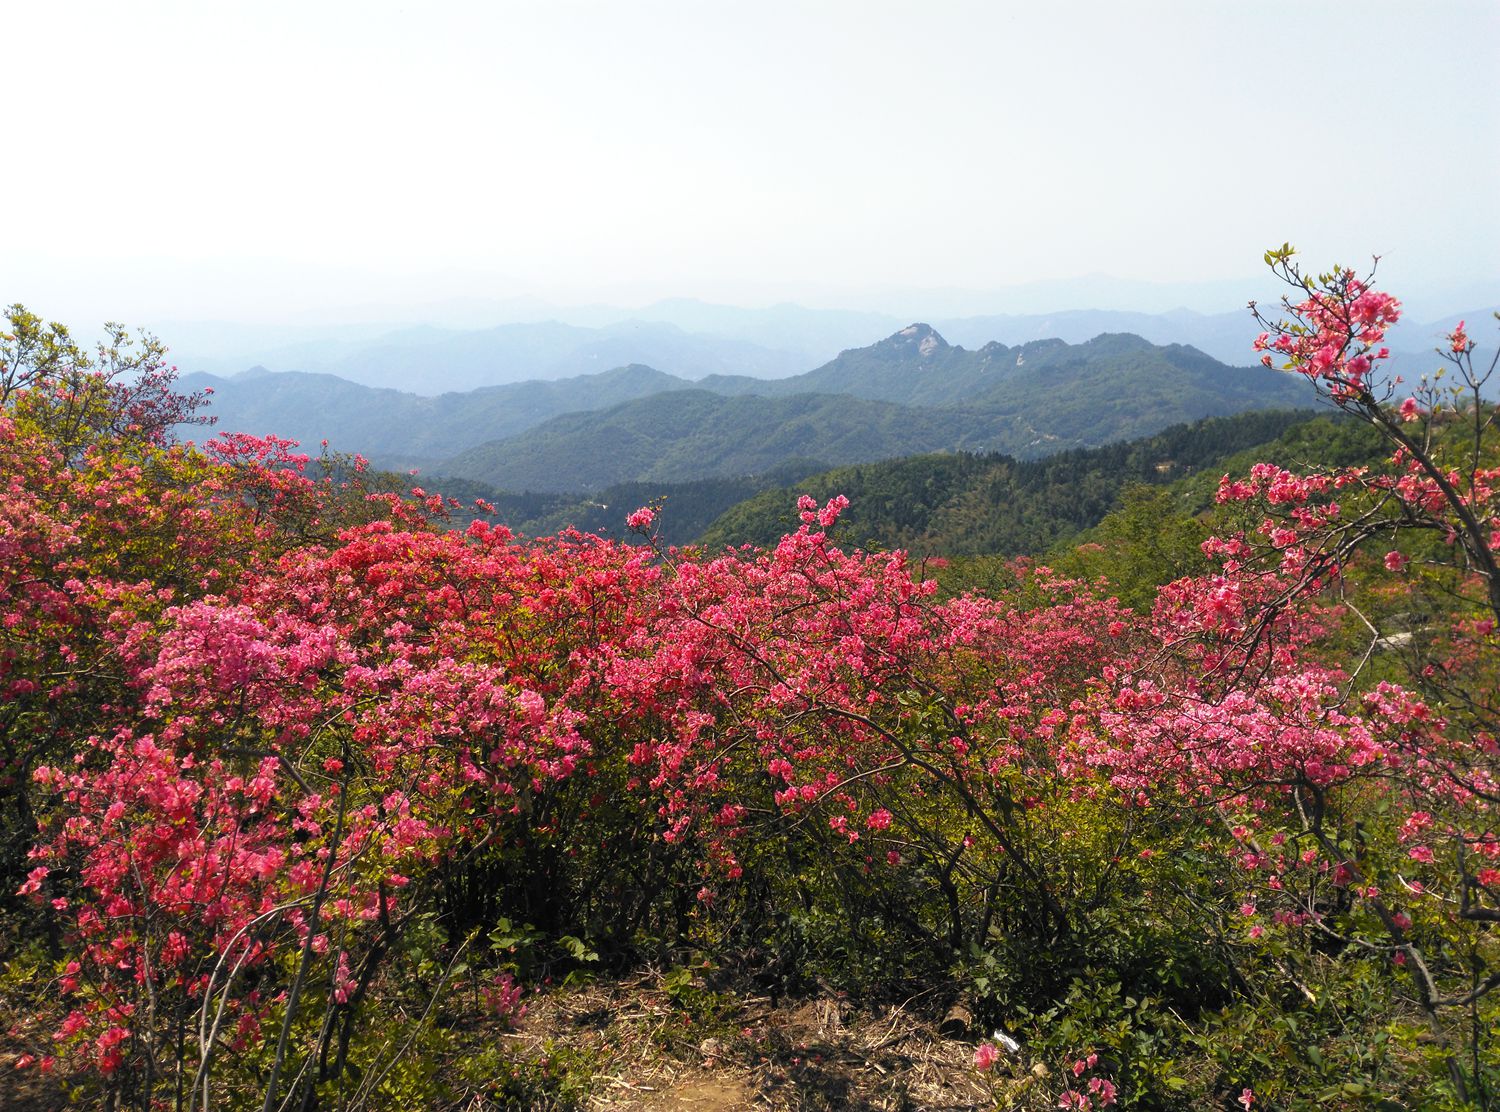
column 1344, row 323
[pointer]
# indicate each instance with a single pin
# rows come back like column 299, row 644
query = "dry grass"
column 728, row 1053
column 706, row 1052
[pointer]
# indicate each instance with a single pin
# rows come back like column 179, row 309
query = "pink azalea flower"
column 1458, row 340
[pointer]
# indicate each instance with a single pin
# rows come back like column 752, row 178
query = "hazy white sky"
column 266, row 159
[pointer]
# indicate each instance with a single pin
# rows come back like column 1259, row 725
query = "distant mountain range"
column 428, row 360
column 687, row 338
column 917, row 366
column 404, row 429
column 910, row 393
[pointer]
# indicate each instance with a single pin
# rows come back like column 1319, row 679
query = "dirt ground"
column 815, row 1054
column 642, row 1050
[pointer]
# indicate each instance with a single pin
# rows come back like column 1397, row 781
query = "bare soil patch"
column 653, row 1055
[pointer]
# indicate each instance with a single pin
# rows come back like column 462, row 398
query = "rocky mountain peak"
column 918, row 339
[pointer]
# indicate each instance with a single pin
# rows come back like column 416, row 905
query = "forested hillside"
column 693, row 434
column 964, row 504
column 948, row 503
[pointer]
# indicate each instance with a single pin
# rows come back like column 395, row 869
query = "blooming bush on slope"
column 289, row 746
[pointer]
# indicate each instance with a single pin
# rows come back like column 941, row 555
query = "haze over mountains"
column 402, row 429
column 909, row 393
column 683, row 337
column 429, row 360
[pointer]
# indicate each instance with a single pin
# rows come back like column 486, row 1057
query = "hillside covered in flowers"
column 306, row 794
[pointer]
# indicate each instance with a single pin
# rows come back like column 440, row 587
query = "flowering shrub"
column 272, row 735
